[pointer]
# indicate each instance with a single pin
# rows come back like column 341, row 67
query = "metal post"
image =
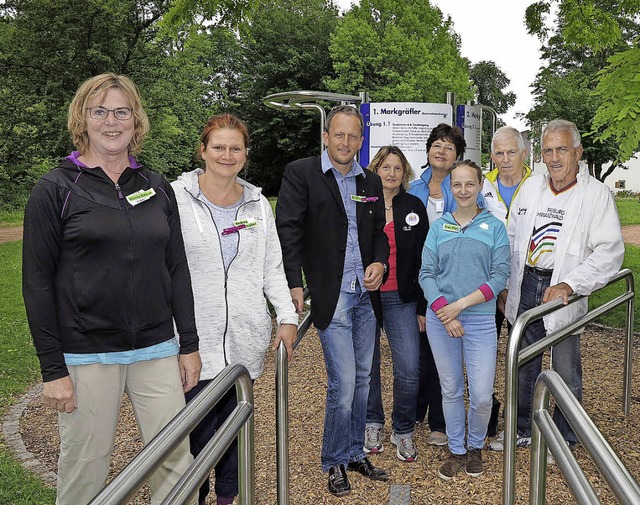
column 628, row 354
column 282, row 425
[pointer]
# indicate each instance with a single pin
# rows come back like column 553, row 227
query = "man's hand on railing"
column 287, row 334
column 562, row 290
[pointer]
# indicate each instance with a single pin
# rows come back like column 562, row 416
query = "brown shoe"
column 437, row 438
column 475, row 466
column 450, row 467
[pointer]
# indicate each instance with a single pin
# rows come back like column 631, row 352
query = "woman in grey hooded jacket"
column 235, row 261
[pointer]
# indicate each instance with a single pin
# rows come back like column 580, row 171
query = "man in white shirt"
column 565, row 238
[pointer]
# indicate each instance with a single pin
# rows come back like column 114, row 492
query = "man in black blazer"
column 330, row 219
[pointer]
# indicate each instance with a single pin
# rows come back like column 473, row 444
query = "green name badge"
column 245, row 223
column 140, row 196
column 451, row 227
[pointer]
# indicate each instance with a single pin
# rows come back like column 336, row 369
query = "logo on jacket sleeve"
column 522, row 211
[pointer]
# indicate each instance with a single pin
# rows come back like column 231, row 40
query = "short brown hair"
column 381, row 155
column 344, row 109
column 448, row 133
column 98, row 86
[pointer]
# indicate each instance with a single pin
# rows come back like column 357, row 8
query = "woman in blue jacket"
column 465, row 264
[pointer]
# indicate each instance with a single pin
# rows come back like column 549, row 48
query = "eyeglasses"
column 102, row 113
column 447, row 149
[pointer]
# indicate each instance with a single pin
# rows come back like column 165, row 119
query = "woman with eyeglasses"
column 399, row 304
column 235, row 261
column 104, row 278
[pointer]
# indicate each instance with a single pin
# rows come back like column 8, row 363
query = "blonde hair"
column 98, row 86
column 381, row 155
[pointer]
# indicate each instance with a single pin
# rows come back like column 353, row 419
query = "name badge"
column 412, row 219
column 440, row 206
column 364, row 199
column 140, row 196
column 451, row 227
column 240, row 224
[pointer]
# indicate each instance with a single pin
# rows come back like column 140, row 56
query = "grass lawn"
column 629, row 210
column 9, row 219
column 18, row 371
column 617, row 317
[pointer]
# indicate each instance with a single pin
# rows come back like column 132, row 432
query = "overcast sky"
column 494, row 30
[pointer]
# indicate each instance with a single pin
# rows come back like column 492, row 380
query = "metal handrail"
column 122, row 488
column 544, row 432
column 515, row 358
column 282, row 410
column 301, row 100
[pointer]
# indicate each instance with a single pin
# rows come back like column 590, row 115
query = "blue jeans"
column 565, row 358
column 347, row 344
column 401, row 328
column 478, row 349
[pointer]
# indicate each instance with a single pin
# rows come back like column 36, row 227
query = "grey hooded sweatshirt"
column 231, row 310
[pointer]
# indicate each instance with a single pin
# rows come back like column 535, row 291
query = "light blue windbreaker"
column 420, row 188
column 456, row 261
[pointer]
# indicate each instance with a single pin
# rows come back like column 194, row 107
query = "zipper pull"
column 119, row 190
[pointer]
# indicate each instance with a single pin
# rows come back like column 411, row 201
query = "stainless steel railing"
column 240, row 423
column 515, row 358
column 544, row 432
column 282, row 411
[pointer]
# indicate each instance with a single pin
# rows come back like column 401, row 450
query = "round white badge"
column 412, row 219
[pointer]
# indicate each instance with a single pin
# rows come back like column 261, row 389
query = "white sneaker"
column 373, row 437
column 405, row 448
column 498, row 443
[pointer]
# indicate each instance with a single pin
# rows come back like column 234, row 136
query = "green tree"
column 606, row 30
column 566, row 86
column 285, row 48
column 490, row 83
column 48, row 47
column 398, row 51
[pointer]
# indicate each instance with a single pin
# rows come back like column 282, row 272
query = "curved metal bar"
column 514, row 358
column 122, row 488
column 619, row 479
column 292, row 99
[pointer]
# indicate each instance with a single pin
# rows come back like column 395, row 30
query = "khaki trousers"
column 87, row 434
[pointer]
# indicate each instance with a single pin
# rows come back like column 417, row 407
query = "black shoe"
column 338, row 481
column 492, row 428
column 366, row 468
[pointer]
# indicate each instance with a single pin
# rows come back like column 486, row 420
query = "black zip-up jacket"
column 101, row 275
column 409, row 245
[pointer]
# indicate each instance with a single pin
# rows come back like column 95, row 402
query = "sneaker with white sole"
column 373, row 437
column 498, row 443
column 437, row 438
column 405, row 448
column 451, row 466
column 474, row 466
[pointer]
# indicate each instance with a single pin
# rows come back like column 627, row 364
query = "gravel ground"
column 602, row 357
